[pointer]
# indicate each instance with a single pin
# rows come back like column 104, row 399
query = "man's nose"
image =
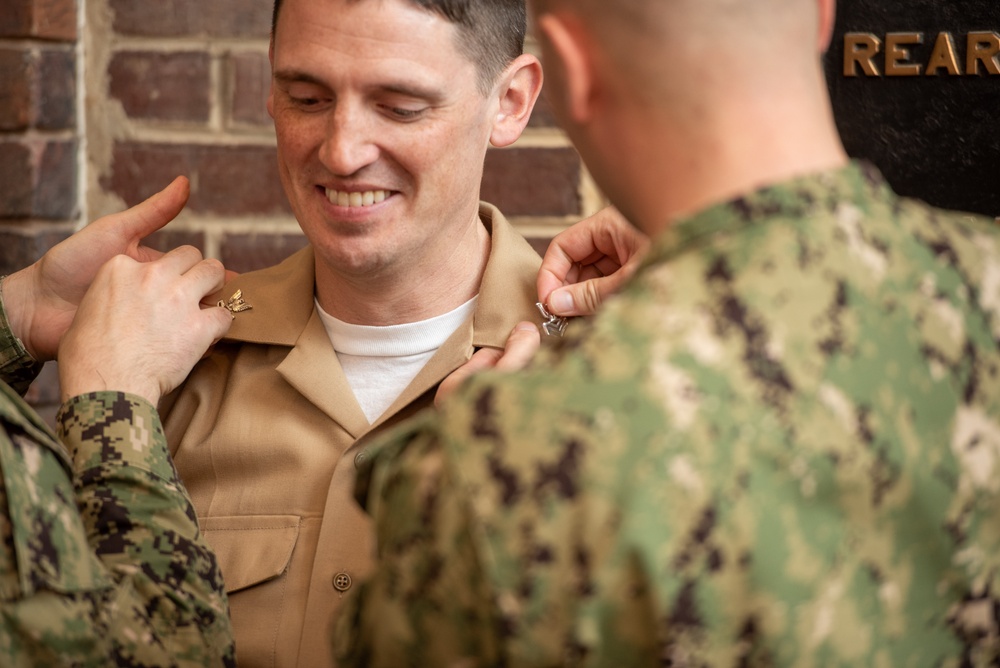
column 348, row 146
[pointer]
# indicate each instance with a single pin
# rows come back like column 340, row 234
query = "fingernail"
column 561, row 301
column 525, row 327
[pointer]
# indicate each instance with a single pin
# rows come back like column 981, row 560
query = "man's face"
column 381, row 132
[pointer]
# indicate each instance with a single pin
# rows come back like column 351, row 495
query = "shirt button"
column 360, row 459
column 342, row 581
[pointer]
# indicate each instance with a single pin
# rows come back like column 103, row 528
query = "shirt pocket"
column 251, row 549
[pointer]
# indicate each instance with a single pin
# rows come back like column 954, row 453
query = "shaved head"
column 653, row 41
column 675, row 104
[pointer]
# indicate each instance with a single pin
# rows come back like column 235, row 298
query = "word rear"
column 861, row 49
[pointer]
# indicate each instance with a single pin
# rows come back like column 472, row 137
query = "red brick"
column 55, row 182
column 55, row 108
column 17, row 251
column 247, row 252
column 162, row 86
column 16, row 17
column 533, row 181
column 15, row 89
column 37, row 89
column 16, row 180
column 167, row 240
column 38, row 179
column 227, row 181
column 195, row 18
column 43, row 19
column 250, row 83
column 55, row 19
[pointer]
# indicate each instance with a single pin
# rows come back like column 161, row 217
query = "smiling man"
column 384, row 112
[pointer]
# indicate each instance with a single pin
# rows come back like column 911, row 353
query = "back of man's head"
column 678, row 104
column 666, row 46
column 491, row 32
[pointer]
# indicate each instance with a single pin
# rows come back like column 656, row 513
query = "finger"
column 605, row 234
column 218, row 320
column 606, row 266
column 585, row 298
column 133, row 225
column 151, row 215
column 570, row 254
column 482, row 360
column 181, row 259
column 522, row 344
column 205, row 278
column 555, row 271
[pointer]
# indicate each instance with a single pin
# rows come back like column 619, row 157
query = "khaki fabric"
column 266, row 434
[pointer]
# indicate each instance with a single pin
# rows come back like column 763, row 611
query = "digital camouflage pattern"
column 780, row 445
column 101, row 560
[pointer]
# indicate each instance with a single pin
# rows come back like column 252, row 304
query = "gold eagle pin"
column 236, row 304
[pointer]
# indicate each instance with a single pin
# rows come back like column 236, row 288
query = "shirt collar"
column 282, row 296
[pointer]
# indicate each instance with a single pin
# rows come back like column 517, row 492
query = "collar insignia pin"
column 553, row 325
column 236, row 304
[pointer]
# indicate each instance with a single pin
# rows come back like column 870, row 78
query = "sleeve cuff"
column 17, row 367
column 112, row 427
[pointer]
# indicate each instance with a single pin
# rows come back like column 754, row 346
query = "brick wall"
column 96, row 119
column 39, row 139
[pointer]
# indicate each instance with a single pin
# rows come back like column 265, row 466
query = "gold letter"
column 859, row 49
column 896, row 55
column 943, row 56
column 983, row 48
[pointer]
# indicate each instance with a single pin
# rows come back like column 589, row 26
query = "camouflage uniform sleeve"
column 101, row 561
column 17, row 367
column 428, row 604
column 171, row 607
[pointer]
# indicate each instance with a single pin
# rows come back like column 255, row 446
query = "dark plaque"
column 916, row 91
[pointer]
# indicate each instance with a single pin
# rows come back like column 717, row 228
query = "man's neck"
column 733, row 151
column 434, row 284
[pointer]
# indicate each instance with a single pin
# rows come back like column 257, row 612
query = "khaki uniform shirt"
column 779, row 445
column 265, row 434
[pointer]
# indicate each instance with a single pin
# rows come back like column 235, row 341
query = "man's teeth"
column 356, row 199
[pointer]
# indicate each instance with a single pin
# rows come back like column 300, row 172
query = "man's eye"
column 403, row 114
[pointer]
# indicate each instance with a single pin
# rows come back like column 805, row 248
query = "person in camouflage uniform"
column 101, row 560
column 779, row 445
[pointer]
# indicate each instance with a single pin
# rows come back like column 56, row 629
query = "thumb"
column 585, row 298
column 522, row 344
column 582, row 298
column 149, row 216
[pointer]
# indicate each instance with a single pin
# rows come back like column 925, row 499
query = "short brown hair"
column 491, row 32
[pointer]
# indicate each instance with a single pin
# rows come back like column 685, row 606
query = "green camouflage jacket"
column 101, row 560
column 779, row 446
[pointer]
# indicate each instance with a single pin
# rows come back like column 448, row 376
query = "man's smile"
column 356, row 199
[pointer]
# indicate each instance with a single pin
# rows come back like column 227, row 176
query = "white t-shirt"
column 381, row 361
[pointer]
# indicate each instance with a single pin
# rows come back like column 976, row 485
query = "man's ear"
column 566, row 49
column 519, row 90
column 827, row 20
column 270, row 94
